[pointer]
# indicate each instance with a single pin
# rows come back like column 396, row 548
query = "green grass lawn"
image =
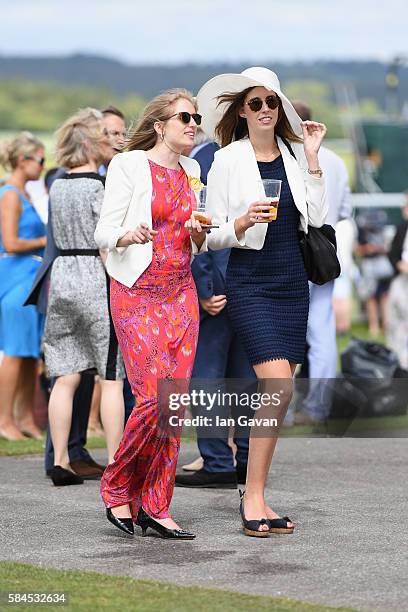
column 36, row 447
column 93, row 591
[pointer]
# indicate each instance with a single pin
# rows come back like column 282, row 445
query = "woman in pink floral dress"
column 156, row 318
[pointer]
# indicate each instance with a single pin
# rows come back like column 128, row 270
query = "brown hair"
column 113, row 110
column 159, row 109
column 24, row 144
column 80, row 138
column 302, row 109
column 234, row 127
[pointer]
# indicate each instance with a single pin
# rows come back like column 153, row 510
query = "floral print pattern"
column 157, row 323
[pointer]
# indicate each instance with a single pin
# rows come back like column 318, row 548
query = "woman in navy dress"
column 22, row 241
column 262, row 137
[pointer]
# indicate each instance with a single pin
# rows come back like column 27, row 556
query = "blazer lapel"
column 254, row 236
column 145, row 179
column 295, row 178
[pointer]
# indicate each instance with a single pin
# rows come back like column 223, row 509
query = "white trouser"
column 322, row 354
column 397, row 326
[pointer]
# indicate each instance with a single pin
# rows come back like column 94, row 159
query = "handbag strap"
column 286, row 142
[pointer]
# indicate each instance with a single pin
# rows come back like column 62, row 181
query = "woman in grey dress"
column 79, row 333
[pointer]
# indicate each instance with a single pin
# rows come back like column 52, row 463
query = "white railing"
column 377, row 200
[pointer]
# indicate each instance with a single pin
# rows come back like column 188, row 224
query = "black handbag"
column 318, row 249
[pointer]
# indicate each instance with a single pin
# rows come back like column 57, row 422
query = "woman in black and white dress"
column 79, row 334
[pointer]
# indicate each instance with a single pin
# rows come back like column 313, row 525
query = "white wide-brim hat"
column 212, row 112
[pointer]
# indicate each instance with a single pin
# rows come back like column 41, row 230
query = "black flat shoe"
column 280, row 525
column 63, row 478
column 145, row 521
column 125, row 524
column 207, row 480
column 251, row 528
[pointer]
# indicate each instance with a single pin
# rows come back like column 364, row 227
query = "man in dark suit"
column 219, row 355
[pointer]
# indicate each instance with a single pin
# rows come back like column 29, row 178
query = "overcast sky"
column 172, row 31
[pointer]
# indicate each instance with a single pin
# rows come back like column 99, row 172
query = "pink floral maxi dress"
column 156, row 322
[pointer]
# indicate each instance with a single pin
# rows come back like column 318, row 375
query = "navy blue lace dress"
column 267, row 290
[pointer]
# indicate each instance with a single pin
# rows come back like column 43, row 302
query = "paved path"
column 348, row 498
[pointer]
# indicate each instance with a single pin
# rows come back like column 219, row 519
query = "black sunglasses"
column 39, row 160
column 255, row 104
column 185, row 117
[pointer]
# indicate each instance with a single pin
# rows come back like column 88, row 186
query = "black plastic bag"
column 374, row 370
column 364, row 359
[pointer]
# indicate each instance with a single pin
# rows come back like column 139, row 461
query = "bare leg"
column 60, row 416
column 94, row 423
column 9, row 376
column 122, row 511
column 262, row 447
column 384, row 310
column 342, row 310
column 372, row 316
column 25, row 399
column 112, row 414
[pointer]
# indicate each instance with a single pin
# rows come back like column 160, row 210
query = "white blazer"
column 234, row 182
column 127, row 203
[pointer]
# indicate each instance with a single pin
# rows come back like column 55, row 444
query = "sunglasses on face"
column 255, row 104
column 40, row 160
column 185, row 117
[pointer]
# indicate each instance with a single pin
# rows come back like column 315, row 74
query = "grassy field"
column 92, row 591
column 36, row 447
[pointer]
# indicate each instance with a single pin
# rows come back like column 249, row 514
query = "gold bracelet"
column 318, row 172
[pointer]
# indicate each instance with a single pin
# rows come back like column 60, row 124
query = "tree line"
column 41, row 106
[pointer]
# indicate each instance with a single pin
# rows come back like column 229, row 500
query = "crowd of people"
column 119, row 285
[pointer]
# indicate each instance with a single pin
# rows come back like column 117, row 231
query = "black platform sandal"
column 145, row 521
column 280, row 525
column 251, row 528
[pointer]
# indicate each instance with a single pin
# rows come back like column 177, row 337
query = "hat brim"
column 212, row 112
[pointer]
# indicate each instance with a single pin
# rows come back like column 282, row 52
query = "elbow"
column 99, row 239
column 107, row 237
column 318, row 213
column 10, row 245
column 317, row 218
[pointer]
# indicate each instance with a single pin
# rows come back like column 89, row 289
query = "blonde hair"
column 80, row 139
column 24, row 144
column 159, row 109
